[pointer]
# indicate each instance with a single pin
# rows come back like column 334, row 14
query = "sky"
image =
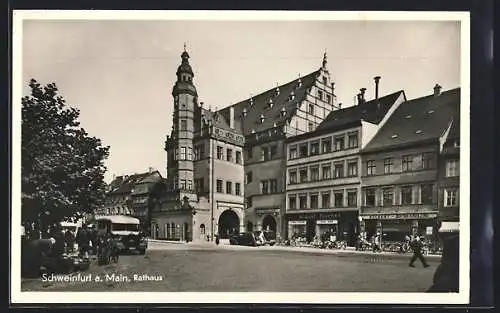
column 120, row 74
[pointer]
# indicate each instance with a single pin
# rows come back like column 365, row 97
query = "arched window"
column 202, row 229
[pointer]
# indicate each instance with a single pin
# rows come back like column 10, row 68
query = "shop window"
column 220, row 153
column 293, row 152
column 264, row 187
column 339, row 170
column 292, row 202
column 427, row 161
column 237, row 189
column 406, row 195
column 388, row 196
column 229, row 155
column 326, row 145
column 326, row 171
column 219, row 185
column 238, row 157
column 303, row 175
column 451, row 197
column 315, row 148
column 370, row 197
column 338, row 199
column 370, row 168
column 273, row 183
column 303, row 201
column 407, row 163
column 325, row 200
column 292, row 177
column 314, row 201
column 352, row 198
column 352, row 169
column 314, row 173
column 352, row 140
column 452, row 168
column 388, row 165
column 339, row 143
column 303, row 152
column 426, row 193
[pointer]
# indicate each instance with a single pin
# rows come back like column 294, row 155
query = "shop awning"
column 449, row 227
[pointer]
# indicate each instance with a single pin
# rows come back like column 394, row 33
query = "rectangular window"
column 352, row 198
column 406, row 195
column 249, row 177
column 426, row 193
column 451, row 197
column 199, row 185
column 303, row 175
column 407, row 163
column 427, row 160
column 190, row 154
column 293, row 152
column 352, row 169
column 199, row 152
column 220, row 153
column 325, row 200
column 352, row 140
column 315, row 173
column 264, row 187
column 274, row 185
column 326, row 145
column 311, row 108
column 176, row 154
column 238, row 157
column 328, row 99
column 303, row 201
column 370, row 167
column 292, row 202
column 292, row 177
column 229, row 187
column 320, row 94
column 303, row 150
column 315, row 148
column 183, row 153
column 274, row 151
column 388, row 165
column 370, row 197
column 339, row 170
column 264, row 153
column 190, row 185
column 326, row 171
column 219, row 186
column 183, row 184
column 310, row 126
column 237, row 189
column 314, row 201
column 388, row 196
column 452, row 168
column 338, row 143
column 339, row 199
column 183, row 124
column 229, row 155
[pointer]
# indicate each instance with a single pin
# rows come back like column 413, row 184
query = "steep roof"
column 271, row 115
column 417, row 120
column 372, row 111
column 125, row 184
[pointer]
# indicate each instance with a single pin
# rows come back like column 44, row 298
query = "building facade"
column 323, row 169
column 399, row 178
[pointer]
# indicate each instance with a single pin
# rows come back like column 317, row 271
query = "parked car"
column 243, row 239
column 265, row 238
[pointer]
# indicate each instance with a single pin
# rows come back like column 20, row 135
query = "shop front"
column 343, row 224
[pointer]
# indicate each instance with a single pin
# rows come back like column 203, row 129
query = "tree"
column 62, row 167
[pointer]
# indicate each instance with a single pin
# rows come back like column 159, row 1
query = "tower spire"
column 184, row 46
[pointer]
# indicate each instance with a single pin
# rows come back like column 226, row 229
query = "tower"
column 181, row 172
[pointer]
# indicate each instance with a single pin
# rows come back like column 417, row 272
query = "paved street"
column 193, row 267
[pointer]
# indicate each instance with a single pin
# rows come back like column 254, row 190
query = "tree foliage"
column 62, row 166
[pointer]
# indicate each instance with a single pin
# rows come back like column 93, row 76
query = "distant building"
column 399, row 178
column 323, row 168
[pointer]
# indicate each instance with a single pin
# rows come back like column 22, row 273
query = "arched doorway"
column 229, row 223
column 269, row 223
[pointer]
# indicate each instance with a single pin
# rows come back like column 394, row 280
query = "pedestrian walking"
column 217, row 239
column 376, row 243
column 417, row 245
column 82, row 237
column 69, row 239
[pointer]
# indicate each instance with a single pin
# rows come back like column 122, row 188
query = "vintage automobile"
column 265, row 237
column 125, row 231
column 243, row 239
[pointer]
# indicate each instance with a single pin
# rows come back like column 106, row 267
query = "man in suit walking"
column 417, row 246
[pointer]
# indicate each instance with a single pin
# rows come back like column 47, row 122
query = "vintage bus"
column 125, row 229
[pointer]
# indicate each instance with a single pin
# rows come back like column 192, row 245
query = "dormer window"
column 270, row 103
column 394, row 136
column 292, row 96
column 262, row 118
column 277, row 91
column 299, row 83
column 244, row 112
column 283, row 112
column 251, row 101
column 408, row 116
column 419, row 131
column 430, row 111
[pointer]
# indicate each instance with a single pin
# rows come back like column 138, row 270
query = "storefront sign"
column 296, row 222
column 266, row 211
column 314, row 216
column 326, row 222
column 407, row 216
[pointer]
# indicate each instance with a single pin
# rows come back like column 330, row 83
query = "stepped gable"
column 272, row 115
column 127, row 183
column 372, row 111
column 416, row 120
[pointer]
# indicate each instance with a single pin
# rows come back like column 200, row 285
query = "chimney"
column 340, row 105
column 377, row 80
column 437, row 90
column 358, row 96
column 362, row 90
column 231, row 117
column 150, row 169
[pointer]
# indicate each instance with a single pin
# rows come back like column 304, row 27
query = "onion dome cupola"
column 184, row 83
